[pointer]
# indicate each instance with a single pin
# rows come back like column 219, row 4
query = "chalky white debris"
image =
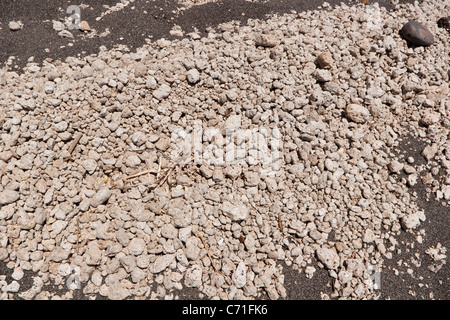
column 340, row 123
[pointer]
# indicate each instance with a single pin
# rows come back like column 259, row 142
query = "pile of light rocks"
column 91, row 195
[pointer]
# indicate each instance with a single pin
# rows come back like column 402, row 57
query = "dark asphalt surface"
column 131, row 27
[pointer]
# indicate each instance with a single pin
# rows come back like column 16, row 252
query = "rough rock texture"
column 417, row 34
column 294, row 158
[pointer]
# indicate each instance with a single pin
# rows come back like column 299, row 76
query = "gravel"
column 119, row 213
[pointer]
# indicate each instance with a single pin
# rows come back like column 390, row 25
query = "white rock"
column 193, row 76
column 232, row 124
column 251, row 178
column 395, row 167
column 84, row 205
column 8, row 196
column 117, row 291
column 17, row 274
column 133, row 161
column 161, row 263
column 184, row 233
column 58, row 226
column 322, row 75
column 139, row 138
column 369, row 236
column 357, row 113
column 49, row 87
column 14, row 286
column 93, row 255
column 193, row 276
column 429, row 118
column 235, row 212
column 59, row 254
column 266, row 40
column 309, row 271
column 411, row 221
column 162, row 92
column 101, row 197
column 169, row 231
column 375, row 92
column 344, row 276
column 178, row 191
column 140, row 213
column 136, row 246
column 61, row 126
column 64, row 269
column 65, row 34
column 181, row 218
column 232, row 95
column 181, row 257
column 90, row 165
column 58, row 25
column 61, row 211
column 429, row 152
column 138, row 275
column 151, row 83
column 328, row 257
column 97, row 278
column 389, row 43
column 446, row 192
column 331, row 165
column 15, row 25
column 192, row 248
column 240, row 275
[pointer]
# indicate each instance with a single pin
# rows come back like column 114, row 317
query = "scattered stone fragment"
column 357, row 113
column 101, row 197
column 328, row 257
column 8, row 196
column 65, row 34
column 429, row 152
column 395, row 167
column 161, row 263
column 325, row 60
column 58, row 25
column 140, row 213
column 323, row 75
column 136, row 246
column 59, row 254
column 193, row 277
column 235, row 212
column 193, row 76
column 429, row 118
column 240, row 275
column 13, row 287
column 266, row 40
column 84, row 26
column 15, row 25
column 114, row 214
column 93, row 256
column 162, row 92
column 410, row 221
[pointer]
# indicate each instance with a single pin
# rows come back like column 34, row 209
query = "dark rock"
column 416, row 34
column 444, row 22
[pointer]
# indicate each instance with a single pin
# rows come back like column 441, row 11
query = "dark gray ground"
column 131, row 27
